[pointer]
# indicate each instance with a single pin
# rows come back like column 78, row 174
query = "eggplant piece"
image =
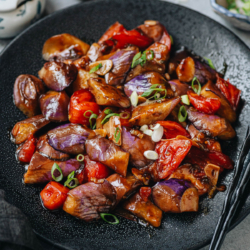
column 64, row 46
column 54, row 106
column 88, row 200
column 39, row 170
column 23, row 129
column 94, row 52
column 143, row 82
column 211, row 125
column 113, row 128
column 145, row 210
column 27, row 89
column 209, row 90
column 124, row 186
column 105, row 151
column 179, row 88
column 122, row 60
column 45, row 149
column 136, row 147
column 186, row 70
column 153, row 111
column 107, row 95
column 70, row 138
column 58, row 76
column 176, row 196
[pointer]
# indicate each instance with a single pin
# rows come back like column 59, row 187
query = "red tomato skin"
column 145, row 193
column 206, row 105
column 54, row 195
column 111, row 31
column 92, row 169
column 231, row 93
column 27, row 150
column 81, row 101
column 171, row 154
column 173, row 129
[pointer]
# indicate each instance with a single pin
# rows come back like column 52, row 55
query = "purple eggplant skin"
column 69, row 138
column 54, row 106
column 176, row 196
column 88, row 200
column 27, row 90
column 39, row 170
column 57, row 75
column 136, row 147
column 122, row 60
column 179, row 88
column 211, row 125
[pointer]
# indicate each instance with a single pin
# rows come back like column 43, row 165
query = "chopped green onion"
column 125, row 115
column 68, row 184
column 108, row 111
column 108, row 116
column 117, row 134
column 172, row 40
column 152, row 55
column 54, row 168
column 185, row 99
column 197, row 91
column 210, row 63
column 135, row 61
column 93, row 116
column 95, row 68
column 141, row 58
column 91, row 112
column 80, row 158
column 182, row 115
column 151, row 90
column 110, row 222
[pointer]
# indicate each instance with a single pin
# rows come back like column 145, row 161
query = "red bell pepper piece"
column 92, row 169
column 133, row 37
column 173, row 129
column 27, row 150
column 145, row 192
column 111, row 31
column 231, row 93
column 54, row 195
column 206, row 105
column 171, row 154
column 81, row 101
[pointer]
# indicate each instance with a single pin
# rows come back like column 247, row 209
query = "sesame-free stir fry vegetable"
column 126, row 123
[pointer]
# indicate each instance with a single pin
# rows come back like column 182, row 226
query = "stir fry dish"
column 125, row 127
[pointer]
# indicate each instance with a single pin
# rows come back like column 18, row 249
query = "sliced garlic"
column 156, row 126
column 150, row 22
column 157, row 134
column 106, row 67
column 151, row 155
column 144, row 127
column 134, row 98
column 148, row 132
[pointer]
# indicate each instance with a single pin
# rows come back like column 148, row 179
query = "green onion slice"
column 80, row 158
column 108, row 111
column 182, row 115
column 58, row 178
column 110, row 222
column 108, row 116
column 93, row 116
column 185, row 99
column 117, row 134
column 151, row 90
column 172, row 40
column 88, row 111
column 125, row 115
column 152, row 55
column 136, row 61
column 71, row 175
column 210, row 63
column 197, row 91
column 69, row 184
column 95, row 68
column 141, row 58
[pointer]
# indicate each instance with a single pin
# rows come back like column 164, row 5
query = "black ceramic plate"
column 88, row 21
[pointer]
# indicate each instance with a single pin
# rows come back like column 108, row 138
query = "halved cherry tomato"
column 206, row 105
column 145, row 192
column 172, row 129
column 171, row 154
column 231, row 93
column 111, row 31
column 81, row 101
column 92, row 169
column 27, row 150
column 133, row 37
column 54, row 195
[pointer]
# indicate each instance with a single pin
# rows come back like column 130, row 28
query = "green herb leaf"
column 185, row 99
column 54, row 168
column 95, row 68
column 117, row 134
column 93, row 116
column 80, row 158
column 182, row 115
column 88, row 111
column 197, row 91
column 210, row 63
column 106, row 118
column 110, row 222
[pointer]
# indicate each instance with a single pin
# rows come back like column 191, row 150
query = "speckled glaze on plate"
column 88, row 21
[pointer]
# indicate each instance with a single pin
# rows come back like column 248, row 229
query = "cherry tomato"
column 93, row 169
column 145, row 192
column 231, row 93
column 111, row 31
column 27, row 150
column 54, row 195
column 171, row 154
column 81, row 101
column 206, row 105
column 173, row 129
column 134, row 37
